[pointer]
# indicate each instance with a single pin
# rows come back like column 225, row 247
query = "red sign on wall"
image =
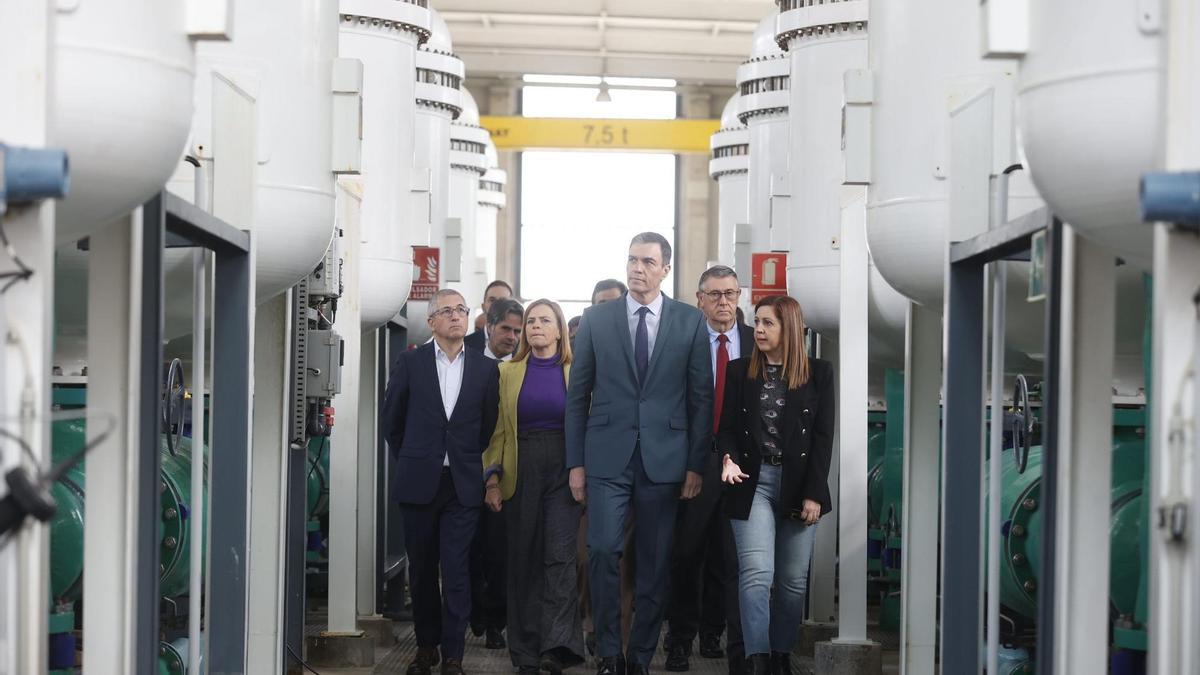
column 768, row 275
column 426, row 272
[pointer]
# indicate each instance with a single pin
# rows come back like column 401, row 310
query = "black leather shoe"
column 758, row 664
column 611, row 665
column 781, row 663
column 551, row 664
column 710, row 647
column 637, row 669
column 452, row 667
column 677, row 658
column 495, row 639
column 477, row 628
column 424, row 661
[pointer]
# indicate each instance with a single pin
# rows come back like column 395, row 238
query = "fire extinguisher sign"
column 768, row 275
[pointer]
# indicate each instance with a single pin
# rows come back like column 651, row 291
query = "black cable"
column 21, row 442
column 23, row 272
column 301, row 661
column 312, row 466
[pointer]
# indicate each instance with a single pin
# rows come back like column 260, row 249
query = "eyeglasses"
column 446, row 312
column 731, row 295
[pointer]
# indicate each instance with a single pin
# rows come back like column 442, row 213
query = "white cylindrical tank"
column 282, row 56
column 763, row 82
column 491, row 201
column 439, row 101
column 730, row 167
column 468, row 163
column 1090, row 115
column 384, row 35
column 914, row 57
column 121, row 107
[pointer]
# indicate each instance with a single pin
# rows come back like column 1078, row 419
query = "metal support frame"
column 296, row 509
column 852, row 428
column 368, row 468
column 26, row 46
column 1087, row 321
column 922, row 462
column 962, row 488
column 343, row 442
column 1175, row 477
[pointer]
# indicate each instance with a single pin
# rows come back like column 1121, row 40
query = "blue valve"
column 30, row 174
column 1171, row 198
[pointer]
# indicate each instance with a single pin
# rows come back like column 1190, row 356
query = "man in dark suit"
column 696, row 600
column 497, row 290
column 439, row 414
column 489, row 580
column 638, row 435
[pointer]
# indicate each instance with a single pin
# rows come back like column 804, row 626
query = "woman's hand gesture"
column 492, row 496
column 732, row 473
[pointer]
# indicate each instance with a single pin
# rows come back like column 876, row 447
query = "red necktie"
column 722, row 361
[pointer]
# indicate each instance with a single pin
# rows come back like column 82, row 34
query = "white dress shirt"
column 734, row 346
column 450, row 377
column 487, row 351
column 631, row 308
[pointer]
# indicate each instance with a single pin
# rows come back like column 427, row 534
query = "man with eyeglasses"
column 697, row 598
column 638, row 437
column 439, row 414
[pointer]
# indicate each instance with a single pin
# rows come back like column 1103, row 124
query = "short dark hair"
column 606, row 284
column 502, row 308
column 717, row 272
column 575, row 320
column 654, row 238
column 496, row 283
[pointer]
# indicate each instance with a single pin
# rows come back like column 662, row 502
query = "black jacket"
column 808, row 427
column 419, row 435
column 476, row 340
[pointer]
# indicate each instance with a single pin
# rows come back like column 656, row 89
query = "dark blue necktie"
column 641, row 345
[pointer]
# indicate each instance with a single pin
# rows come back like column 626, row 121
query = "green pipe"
column 66, row 530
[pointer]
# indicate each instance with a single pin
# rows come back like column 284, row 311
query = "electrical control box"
column 325, row 354
column 326, row 280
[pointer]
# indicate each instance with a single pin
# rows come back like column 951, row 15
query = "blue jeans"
column 776, row 552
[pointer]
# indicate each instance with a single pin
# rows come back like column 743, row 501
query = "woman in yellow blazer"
column 526, row 478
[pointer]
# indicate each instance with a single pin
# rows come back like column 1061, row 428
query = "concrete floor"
column 480, row 661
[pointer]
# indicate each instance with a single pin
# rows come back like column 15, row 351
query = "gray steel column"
column 922, row 463
column 962, row 594
column 149, row 390
column 1051, row 403
column 229, row 464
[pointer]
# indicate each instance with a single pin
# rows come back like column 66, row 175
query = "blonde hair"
column 564, row 342
column 791, row 342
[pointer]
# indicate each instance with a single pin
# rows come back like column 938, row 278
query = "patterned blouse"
column 771, row 402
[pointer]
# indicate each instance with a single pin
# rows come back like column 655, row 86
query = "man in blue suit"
column 638, row 432
column 439, row 413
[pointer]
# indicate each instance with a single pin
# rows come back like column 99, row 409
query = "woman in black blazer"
column 776, row 438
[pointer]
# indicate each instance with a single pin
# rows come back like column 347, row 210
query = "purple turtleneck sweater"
column 543, row 401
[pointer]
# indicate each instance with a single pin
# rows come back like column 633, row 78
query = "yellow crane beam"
column 537, row 133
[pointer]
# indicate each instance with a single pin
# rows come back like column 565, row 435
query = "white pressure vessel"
column 491, row 201
column 384, row 35
column 1090, row 102
column 439, row 101
column 823, row 42
column 282, row 57
column 121, row 107
column 917, row 51
column 468, row 163
column 730, row 167
column 763, row 82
